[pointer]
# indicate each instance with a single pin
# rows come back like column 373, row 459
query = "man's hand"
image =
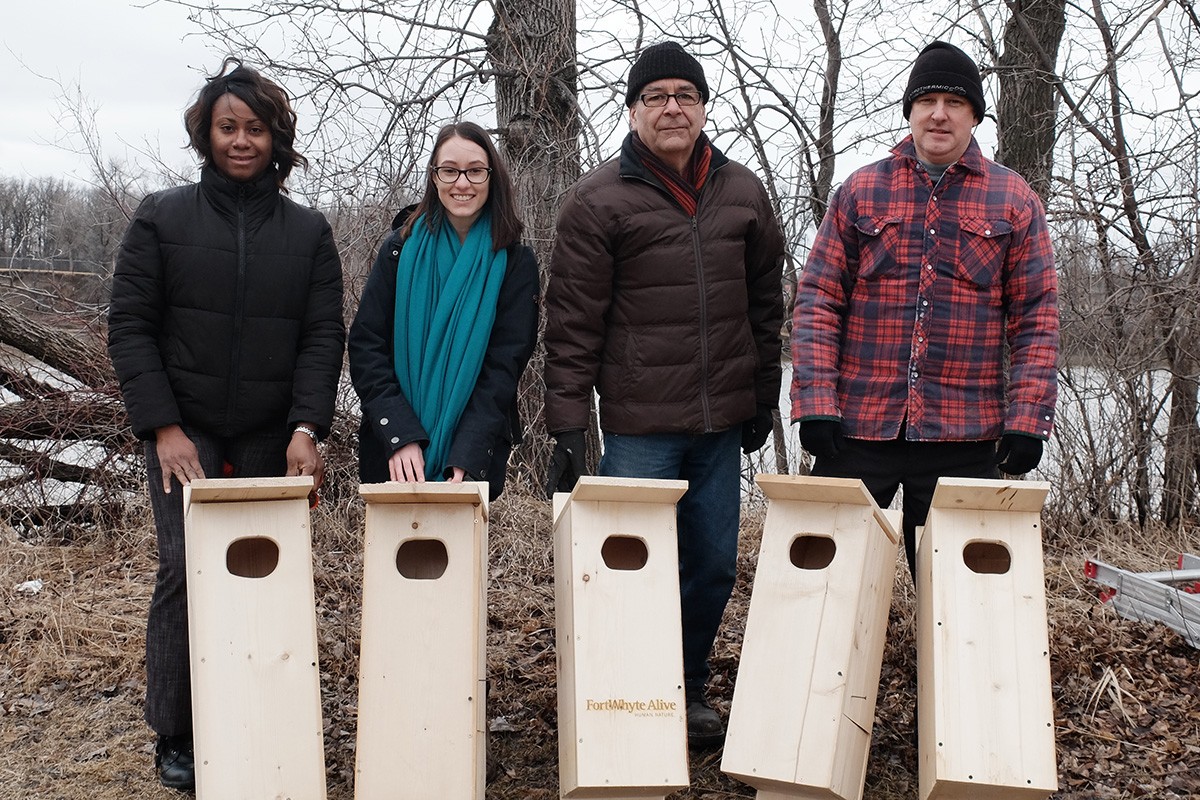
column 1018, row 453
column 756, row 430
column 821, row 437
column 177, row 456
column 566, row 463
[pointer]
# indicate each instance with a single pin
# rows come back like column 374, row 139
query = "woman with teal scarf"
column 446, row 324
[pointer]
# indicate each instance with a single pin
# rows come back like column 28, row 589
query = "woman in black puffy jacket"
column 225, row 330
column 446, row 325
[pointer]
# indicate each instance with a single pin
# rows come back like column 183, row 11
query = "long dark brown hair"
column 501, row 202
column 266, row 99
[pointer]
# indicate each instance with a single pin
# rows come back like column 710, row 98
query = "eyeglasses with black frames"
column 450, row 174
column 659, row 99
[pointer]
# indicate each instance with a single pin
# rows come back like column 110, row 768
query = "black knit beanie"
column 942, row 67
column 664, row 60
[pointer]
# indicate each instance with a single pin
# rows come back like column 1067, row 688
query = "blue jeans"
column 707, row 521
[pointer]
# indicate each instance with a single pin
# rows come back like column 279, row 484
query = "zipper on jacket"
column 238, row 308
column 700, row 285
column 705, row 406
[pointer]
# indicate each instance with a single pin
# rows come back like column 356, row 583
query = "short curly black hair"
column 266, row 99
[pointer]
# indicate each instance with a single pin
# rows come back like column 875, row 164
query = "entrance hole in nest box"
column 253, row 557
column 624, row 552
column 810, row 551
column 422, row 559
column 987, row 558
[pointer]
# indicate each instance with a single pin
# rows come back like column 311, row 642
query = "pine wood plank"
column 471, row 492
column 253, row 643
column 236, row 490
column 421, row 718
column 812, row 651
column 622, row 723
column 985, row 709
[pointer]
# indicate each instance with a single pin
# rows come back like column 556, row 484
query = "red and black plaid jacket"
column 911, row 297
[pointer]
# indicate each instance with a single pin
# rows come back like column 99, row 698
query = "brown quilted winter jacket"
column 674, row 320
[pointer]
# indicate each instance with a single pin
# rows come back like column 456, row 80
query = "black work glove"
column 566, row 463
column 1018, row 453
column 821, row 437
column 756, row 430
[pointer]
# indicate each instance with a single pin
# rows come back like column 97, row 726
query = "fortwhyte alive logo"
column 656, row 707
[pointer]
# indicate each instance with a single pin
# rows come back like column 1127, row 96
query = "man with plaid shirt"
column 926, row 326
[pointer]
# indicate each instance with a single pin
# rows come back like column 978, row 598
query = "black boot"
column 175, row 763
column 704, row 727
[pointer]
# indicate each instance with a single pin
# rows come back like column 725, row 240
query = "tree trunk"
column 85, row 414
column 68, row 354
column 38, row 467
column 1183, row 434
column 1182, row 446
column 1026, row 107
column 826, row 149
column 531, row 44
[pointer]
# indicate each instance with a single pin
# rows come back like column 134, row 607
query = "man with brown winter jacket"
column 664, row 298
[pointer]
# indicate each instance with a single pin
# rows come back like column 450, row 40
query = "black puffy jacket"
column 226, row 310
column 490, row 424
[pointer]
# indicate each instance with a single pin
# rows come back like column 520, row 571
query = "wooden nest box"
column 804, row 703
column 985, row 711
column 256, row 701
column 621, row 709
column 422, row 675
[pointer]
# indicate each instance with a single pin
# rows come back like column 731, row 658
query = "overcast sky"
column 139, row 62
column 133, row 61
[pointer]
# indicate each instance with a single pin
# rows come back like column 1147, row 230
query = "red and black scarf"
column 684, row 188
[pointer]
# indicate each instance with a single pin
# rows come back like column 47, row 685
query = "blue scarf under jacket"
column 446, row 295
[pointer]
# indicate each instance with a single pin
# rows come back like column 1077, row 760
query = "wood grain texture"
column 422, row 673
column 255, row 677
column 985, row 710
column 804, row 702
column 621, row 711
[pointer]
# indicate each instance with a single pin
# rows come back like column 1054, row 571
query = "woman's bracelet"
column 307, row 431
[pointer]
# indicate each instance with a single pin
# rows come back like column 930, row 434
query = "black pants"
column 886, row 466
column 168, row 668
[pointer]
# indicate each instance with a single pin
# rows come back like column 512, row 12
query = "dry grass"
column 71, row 681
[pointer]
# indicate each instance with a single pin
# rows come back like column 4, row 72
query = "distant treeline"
column 49, row 219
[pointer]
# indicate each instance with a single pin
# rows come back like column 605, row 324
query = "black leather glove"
column 756, row 430
column 821, row 437
column 1018, row 453
column 566, row 463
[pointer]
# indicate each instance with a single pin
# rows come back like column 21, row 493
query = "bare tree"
column 1139, row 188
column 1025, row 104
column 531, row 45
column 1125, row 209
column 378, row 77
column 1118, row 171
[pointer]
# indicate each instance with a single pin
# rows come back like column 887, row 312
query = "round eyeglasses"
column 659, row 99
column 450, row 174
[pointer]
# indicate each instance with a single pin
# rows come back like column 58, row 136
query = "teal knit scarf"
column 446, row 294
